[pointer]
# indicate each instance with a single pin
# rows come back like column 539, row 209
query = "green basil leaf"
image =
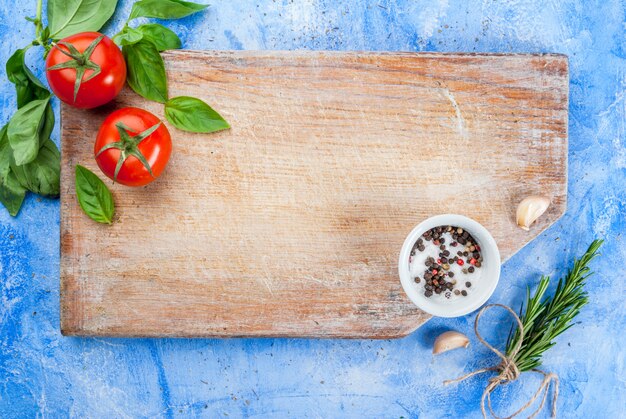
column 24, row 130
column 11, row 192
column 128, row 36
column 27, row 86
column 192, row 114
column 69, row 17
column 146, row 71
column 48, row 125
column 42, row 175
column 165, row 9
column 6, row 153
column 160, row 36
column 93, row 196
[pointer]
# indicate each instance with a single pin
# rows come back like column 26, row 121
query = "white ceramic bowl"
column 481, row 292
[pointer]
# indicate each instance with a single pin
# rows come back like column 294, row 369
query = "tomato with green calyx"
column 86, row 70
column 132, row 147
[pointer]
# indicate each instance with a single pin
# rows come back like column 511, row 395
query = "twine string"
column 508, row 371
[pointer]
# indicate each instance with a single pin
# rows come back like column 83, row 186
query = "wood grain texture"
column 290, row 223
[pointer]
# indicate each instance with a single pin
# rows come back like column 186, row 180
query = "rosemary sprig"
column 545, row 319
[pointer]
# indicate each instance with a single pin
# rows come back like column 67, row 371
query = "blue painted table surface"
column 43, row 374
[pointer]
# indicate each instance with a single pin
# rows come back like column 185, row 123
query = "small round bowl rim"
column 489, row 279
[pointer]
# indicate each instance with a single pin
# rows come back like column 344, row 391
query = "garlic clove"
column 530, row 209
column 450, row 340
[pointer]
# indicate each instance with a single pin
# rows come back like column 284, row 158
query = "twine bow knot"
column 508, row 372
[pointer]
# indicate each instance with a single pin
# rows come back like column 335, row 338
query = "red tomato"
column 130, row 135
column 72, row 56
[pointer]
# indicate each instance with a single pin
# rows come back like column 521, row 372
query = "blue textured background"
column 46, row 375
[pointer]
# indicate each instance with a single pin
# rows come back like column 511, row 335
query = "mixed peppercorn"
column 461, row 250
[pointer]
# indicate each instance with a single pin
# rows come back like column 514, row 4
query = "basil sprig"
column 29, row 160
column 146, row 71
column 93, row 196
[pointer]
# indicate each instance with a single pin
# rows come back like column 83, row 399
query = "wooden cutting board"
column 290, row 223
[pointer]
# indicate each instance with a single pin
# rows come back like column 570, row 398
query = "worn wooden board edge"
column 557, row 212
